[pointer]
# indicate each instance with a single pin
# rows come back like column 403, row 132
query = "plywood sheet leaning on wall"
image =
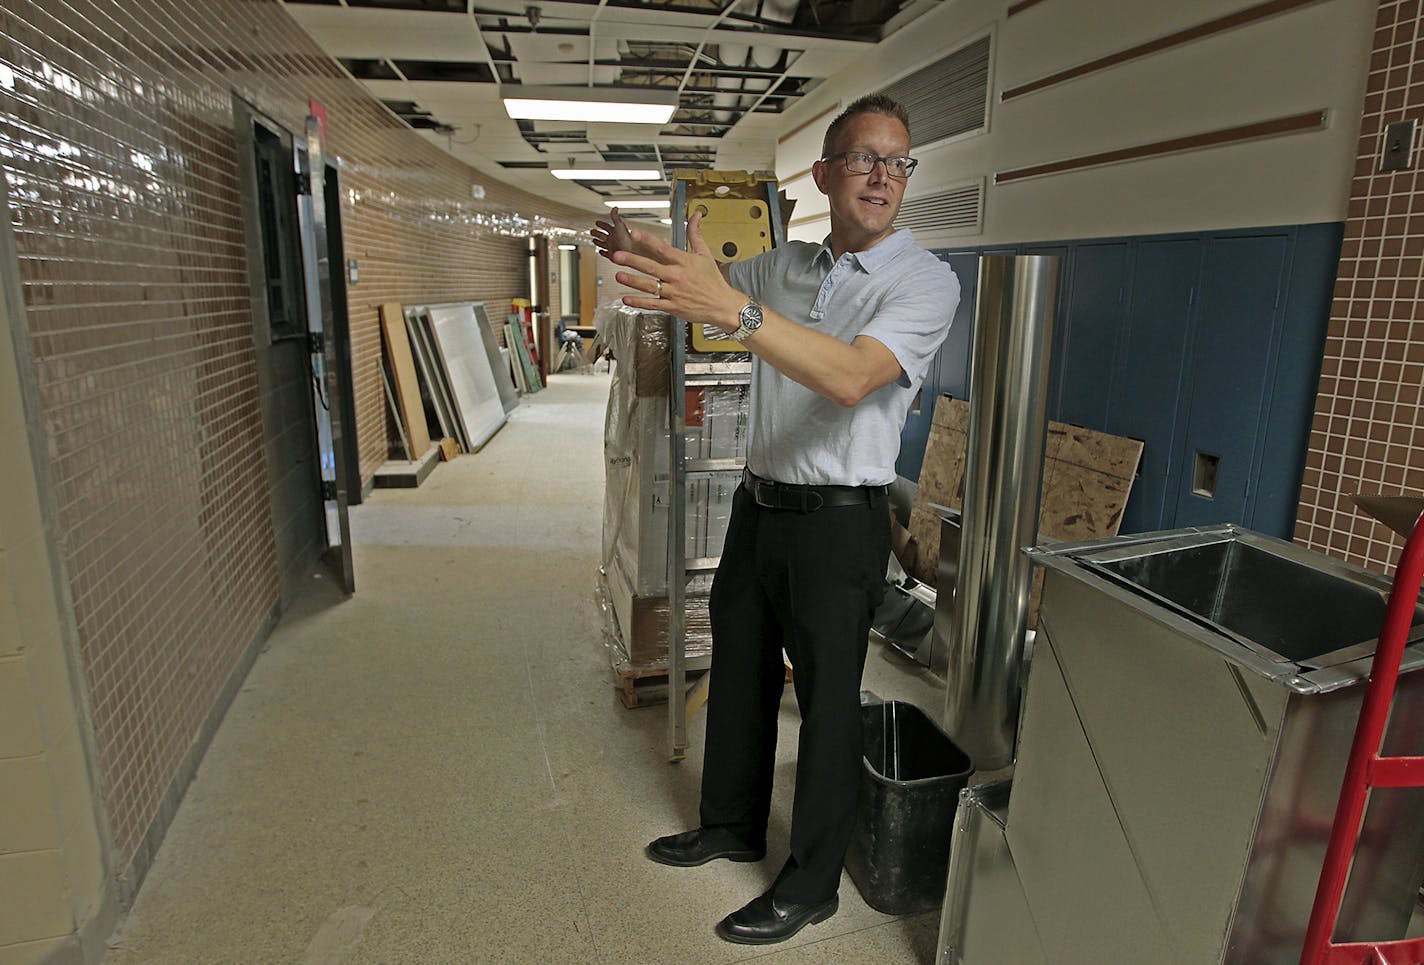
column 1087, row 477
column 941, row 483
column 407, row 383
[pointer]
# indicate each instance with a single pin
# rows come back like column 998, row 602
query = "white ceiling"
column 442, row 64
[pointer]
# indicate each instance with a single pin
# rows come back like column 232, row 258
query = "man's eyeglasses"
column 858, row 162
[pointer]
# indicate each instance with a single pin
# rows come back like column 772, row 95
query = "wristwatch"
column 750, row 317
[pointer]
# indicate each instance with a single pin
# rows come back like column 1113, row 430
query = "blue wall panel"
column 1290, row 402
column 1089, row 334
column 1231, row 362
column 948, row 373
column 1149, row 384
column 1208, row 341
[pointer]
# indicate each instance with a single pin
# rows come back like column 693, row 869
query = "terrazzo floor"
column 437, row 769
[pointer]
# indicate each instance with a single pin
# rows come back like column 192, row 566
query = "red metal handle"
column 1364, row 753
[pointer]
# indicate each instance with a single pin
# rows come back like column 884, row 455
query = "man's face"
column 863, row 206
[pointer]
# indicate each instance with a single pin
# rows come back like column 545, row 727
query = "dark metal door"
column 325, row 359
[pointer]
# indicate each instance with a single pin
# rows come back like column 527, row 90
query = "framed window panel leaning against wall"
column 432, row 377
column 456, row 334
column 503, row 379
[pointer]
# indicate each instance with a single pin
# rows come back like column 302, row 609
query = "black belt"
column 807, row 499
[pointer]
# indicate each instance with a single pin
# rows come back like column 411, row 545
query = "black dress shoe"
column 701, row 845
column 767, row 920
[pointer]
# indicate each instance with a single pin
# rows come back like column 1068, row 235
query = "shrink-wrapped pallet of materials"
column 633, row 588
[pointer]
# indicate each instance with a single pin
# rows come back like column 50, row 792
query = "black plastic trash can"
column 909, row 789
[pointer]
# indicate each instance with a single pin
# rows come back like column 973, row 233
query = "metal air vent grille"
column 948, row 97
column 958, row 211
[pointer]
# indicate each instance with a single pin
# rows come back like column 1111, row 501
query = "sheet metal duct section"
column 1009, row 377
column 1190, row 707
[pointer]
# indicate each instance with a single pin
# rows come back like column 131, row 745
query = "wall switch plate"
column 1398, row 147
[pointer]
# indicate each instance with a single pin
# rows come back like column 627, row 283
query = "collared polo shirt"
column 896, row 293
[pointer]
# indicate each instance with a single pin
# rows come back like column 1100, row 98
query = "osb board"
column 923, row 550
column 407, row 386
column 942, row 473
column 1087, row 477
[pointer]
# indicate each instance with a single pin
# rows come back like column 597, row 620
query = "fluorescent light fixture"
column 591, row 104
column 631, row 203
column 607, row 174
column 568, row 247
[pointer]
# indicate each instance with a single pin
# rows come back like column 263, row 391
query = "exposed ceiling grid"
column 734, row 65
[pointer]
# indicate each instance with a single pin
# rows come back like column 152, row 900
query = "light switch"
column 1398, row 147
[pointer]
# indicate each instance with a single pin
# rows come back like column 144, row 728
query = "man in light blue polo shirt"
column 841, row 334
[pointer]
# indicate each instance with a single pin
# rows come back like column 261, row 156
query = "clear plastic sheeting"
column 633, row 572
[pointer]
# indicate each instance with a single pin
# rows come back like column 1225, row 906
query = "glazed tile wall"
column 1368, row 430
column 117, row 147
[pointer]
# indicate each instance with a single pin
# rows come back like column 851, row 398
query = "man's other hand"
column 612, row 235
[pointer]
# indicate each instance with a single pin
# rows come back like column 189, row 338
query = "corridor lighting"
column 568, row 247
column 589, row 104
column 636, row 203
column 607, row 174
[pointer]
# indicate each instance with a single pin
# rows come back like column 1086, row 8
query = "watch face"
column 751, row 317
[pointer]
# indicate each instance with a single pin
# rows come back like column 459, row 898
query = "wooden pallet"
column 645, row 686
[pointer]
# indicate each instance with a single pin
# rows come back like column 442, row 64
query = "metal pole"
column 677, row 505
column 1004, row 470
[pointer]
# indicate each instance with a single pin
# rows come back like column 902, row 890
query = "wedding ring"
column 660, row 289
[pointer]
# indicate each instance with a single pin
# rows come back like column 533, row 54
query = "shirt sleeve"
column 748, row 275
column 914, row 317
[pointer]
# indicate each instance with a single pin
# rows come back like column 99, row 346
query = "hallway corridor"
column 437, row 770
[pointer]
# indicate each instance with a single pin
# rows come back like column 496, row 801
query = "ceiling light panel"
column 607, row 174
column 589, row 104
column 637, row 203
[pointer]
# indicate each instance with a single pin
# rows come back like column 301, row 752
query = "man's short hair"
column 869, row 104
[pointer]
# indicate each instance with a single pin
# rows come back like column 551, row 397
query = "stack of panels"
column 635, row 518
column 461, row 384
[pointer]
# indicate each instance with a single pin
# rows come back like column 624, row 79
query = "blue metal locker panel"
column 1064, row 254
column 1086, row 342
column 915, row 434
column 1305, row 316
column 1148, row 383
column 1231, row 366
column 949, row 372
column 955, row 354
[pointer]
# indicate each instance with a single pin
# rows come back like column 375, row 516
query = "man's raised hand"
column 612, row 235
column 689, row 284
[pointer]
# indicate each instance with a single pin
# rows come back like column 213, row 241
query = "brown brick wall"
column 609, row 288
column 117, row 145
column 1368, row 431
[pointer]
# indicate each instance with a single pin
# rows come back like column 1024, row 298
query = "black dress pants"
column 807, row 583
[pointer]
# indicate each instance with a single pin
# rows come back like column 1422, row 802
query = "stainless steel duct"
column 1013, row 330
